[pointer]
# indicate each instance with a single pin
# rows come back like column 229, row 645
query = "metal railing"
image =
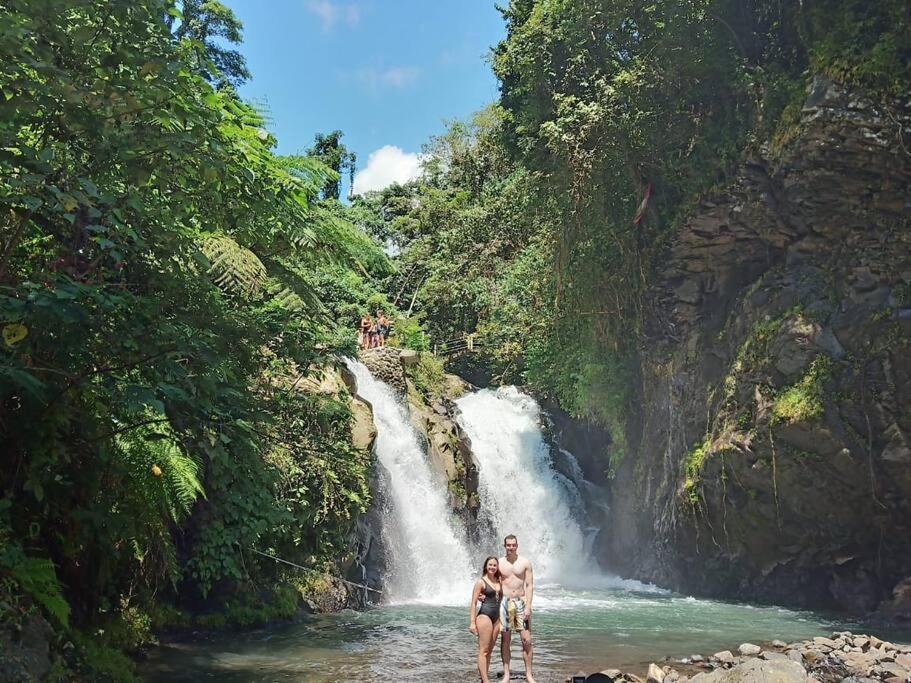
column 467, row 343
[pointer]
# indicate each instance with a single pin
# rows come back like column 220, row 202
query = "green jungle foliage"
column 541, row 223
column 161, row 295
column 167, row 280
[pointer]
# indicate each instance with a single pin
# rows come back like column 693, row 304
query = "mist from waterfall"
column 520, row 491
column 426, row 558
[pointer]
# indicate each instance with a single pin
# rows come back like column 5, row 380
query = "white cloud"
column 331, row 13
column 394, row 76
column 385, row 166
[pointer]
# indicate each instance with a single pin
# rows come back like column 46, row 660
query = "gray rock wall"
column 773, row 459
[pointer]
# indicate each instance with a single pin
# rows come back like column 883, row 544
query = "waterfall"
column 426, row 559
column 521, row 493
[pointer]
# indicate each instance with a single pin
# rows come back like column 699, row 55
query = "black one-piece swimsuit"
column 491, row 605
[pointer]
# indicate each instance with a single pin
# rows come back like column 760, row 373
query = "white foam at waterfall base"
column 426, row 557
column 519, row 489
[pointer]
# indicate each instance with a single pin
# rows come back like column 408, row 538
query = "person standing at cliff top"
column 382, row 328
column 515, row 607
column 365, row 327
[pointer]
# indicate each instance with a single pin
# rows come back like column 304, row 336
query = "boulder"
column 749, row 650
column 756, row 671
column 386, row 365
column 409, row 357
column 795, row 656
column 363, row 428
column 725, row 657
column 655, row 674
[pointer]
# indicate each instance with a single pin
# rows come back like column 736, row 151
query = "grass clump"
column 802, row 401
column 693, row 468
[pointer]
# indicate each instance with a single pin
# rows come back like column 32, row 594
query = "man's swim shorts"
column 512, row 614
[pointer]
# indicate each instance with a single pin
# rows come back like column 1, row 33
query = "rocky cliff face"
column 774, row 447
column 449, row 448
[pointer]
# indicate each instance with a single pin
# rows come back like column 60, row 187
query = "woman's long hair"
column 484, row 566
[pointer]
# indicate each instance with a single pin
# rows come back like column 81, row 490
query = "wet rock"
column 899, row 607
column 449, row 447
column 25, row 651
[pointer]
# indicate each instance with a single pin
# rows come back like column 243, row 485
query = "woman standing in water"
column 484, row 622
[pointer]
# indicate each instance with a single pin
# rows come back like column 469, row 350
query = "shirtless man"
column 515, row 607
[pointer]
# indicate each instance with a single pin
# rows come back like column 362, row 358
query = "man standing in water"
column 515, row 607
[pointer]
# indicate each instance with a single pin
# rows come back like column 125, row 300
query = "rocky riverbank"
column 842, row 658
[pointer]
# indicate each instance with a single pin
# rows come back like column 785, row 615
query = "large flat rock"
column 756, row 671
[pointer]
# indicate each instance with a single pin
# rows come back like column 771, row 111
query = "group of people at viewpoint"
column 372, row 333
column 500, row 605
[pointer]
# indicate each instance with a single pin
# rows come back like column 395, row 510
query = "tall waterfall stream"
column 585, row 620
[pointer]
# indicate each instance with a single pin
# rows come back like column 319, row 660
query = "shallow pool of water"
column 619, row 624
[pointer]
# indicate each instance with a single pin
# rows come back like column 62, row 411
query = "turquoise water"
column 620, row 624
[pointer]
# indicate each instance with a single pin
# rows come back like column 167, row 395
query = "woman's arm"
column 473, row 607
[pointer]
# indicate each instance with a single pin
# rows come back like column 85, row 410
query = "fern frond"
column 235, row 269
column 182, row 472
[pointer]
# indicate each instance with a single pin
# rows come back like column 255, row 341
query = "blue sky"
column 385, row 72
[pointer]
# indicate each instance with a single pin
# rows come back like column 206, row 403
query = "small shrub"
column 428, row 375
column 409, row 334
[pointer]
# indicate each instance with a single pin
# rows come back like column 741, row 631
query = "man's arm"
column 529, row 589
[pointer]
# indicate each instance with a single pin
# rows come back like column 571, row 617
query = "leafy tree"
column 202, row 24
column 330, row 150
column 157, row 305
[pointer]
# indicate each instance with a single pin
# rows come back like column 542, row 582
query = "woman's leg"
column 494, row 634
column 485, row 631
